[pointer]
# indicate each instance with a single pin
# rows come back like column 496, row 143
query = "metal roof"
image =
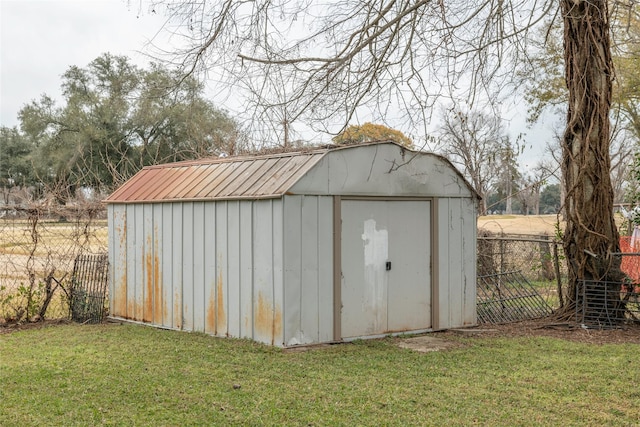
column 249, row 177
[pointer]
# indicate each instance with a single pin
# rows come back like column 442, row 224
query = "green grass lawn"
column 132, row 375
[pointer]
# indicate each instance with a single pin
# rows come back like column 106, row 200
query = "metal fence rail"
column 538, row 258
column 606, row 304
column 508, row 297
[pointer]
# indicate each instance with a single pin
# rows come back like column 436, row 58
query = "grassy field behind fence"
column 133, row 375
column 34, row 249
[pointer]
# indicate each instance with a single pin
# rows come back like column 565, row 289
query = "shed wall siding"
column 213, row 267
column 308, row 269
column 456, row 262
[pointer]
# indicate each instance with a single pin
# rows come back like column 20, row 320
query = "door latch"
column 388, row 266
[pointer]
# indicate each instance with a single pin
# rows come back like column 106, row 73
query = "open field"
column 125, row 375
column 520, row 224
column 33, row 252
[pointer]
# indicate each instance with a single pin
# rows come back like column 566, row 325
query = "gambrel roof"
column 274, row 175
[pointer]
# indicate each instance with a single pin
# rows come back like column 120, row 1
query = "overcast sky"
column 41, row 39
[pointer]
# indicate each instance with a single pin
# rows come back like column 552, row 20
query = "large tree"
column 117, row 118
column 341, row 55
column 547, row 92
column 15, row 163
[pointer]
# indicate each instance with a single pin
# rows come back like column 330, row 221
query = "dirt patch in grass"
column 548, row 328
column 6, row 328
column 449, row 339
column 427, row 343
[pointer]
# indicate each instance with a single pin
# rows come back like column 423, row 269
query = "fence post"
column 556, row 262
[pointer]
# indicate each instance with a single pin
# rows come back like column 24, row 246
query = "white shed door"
column 386, row 275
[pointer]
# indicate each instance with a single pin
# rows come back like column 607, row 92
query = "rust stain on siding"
column 120, row 303
column 177, row 311
column 137, row 309
column 147, row 311
column 210, row 325
column 277, row 324
column 158, row 309
column 221, row 318
column 157, row 293
column 120, row 298
column 267, row 319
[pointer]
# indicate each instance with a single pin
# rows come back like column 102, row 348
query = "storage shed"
column 296, row 248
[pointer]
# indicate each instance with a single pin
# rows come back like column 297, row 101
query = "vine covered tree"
column 339, row 56
column 548, row 92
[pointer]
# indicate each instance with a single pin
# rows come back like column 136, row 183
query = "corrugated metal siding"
column 308, row 273
column 235, row 178
column 194, row 266
column 457, row 274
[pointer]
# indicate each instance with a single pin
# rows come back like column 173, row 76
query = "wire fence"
column 538, row 259
column 41, row 245
column 38, row 247
column 606, row 304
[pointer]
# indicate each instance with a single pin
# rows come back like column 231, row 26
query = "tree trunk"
column 591, row 234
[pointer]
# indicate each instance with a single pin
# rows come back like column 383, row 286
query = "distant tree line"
column 115, row 118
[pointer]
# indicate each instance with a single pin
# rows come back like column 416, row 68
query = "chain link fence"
column 38, row 247
column 537, row 259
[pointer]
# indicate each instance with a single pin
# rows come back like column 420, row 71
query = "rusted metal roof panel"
column 210, row 179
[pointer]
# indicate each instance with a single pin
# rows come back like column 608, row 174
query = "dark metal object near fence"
column 508, row 297
column 606, row 304
column 89, row 288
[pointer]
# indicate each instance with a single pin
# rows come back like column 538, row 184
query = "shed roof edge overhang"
column 202, row 199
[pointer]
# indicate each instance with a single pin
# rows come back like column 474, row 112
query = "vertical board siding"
column 176, row 230
column 258, row 269
column 470, row 253
column 147, row 263
column 267, row 313
column 187, row 266
column 222, row 270
column 325, row 269
column 199, row 306
column 308, row 272
column 118, row 260
column 245, row 302
column 139, row 242
column 292, row 224
column 455, row 263
column 277, row 262
column 157, row 300
column 234, row 266
column 444, row 273
column 166, row 274
column 456, row 245
column 210, row 269
column 309, row 277
column 131, row 263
